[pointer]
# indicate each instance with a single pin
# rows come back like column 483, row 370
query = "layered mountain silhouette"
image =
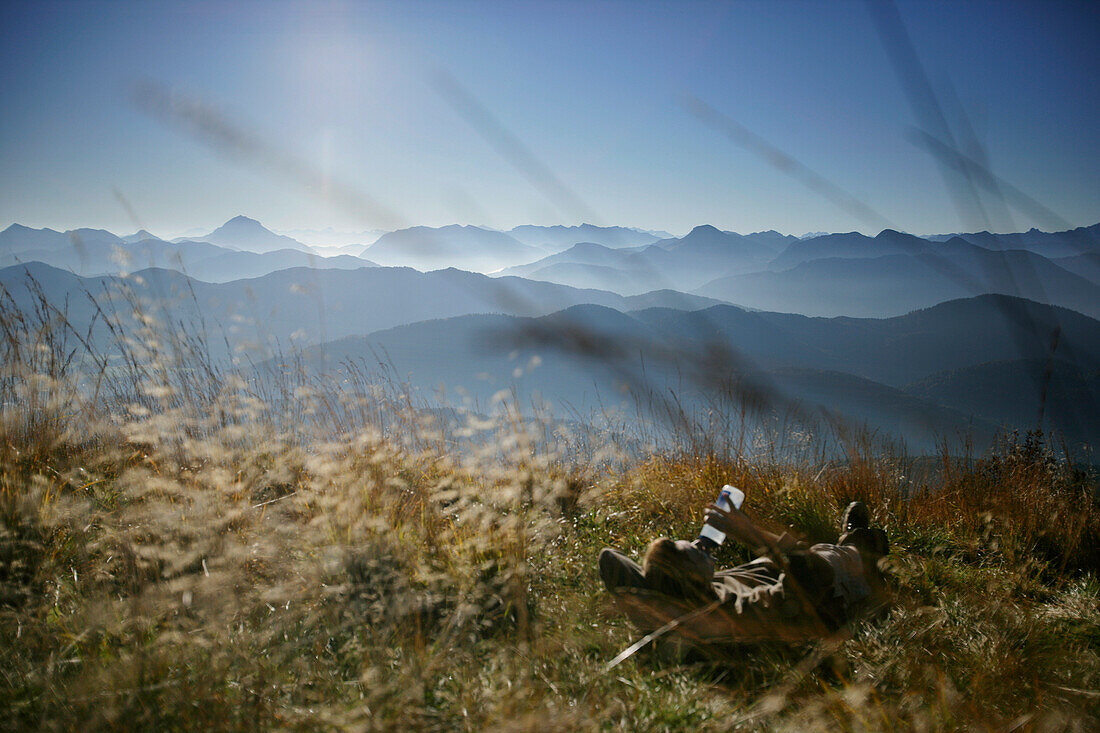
column 852, row 245
column 19, row 238
column 916, row 336
column 331, row 238
column 558, row 238
column 833, row 274
column 465, row 247
column 240, row 232
column 1021, row 392
column 309, row 305
column 894, row 284
column 680, row 264
column 97, row 252
column 1086, row 265
column 907, row 375
column 140, row 235
column 840, row 274
column 1049, row 244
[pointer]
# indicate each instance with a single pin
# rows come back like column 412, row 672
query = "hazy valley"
column 924, row 339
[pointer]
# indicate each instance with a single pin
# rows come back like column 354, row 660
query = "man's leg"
column 760, row 604
column 619, row 571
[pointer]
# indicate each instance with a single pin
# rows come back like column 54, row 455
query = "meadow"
column 183, row 548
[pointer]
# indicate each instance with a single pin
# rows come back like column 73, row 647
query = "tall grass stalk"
column 186, row 545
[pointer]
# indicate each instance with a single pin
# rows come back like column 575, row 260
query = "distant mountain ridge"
column 680, row 264
column 465, row 247
column 558, row 238
column 851, row 245
column 1018, row 391
column 1049, row 244
column 240, row 232
column 891, row 285
column 22, row 238
column 311, row 305
column 839, row 274
column 90, row 252
column 834, row 274
column 330, row 237
column 140, row 235
column 906, row 345
column 889, row 372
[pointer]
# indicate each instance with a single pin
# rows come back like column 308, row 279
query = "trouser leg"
column 777, row 612
column 619, row 571
column 761, row 604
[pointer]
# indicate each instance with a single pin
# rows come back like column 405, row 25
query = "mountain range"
column 240, row 232
column 308, row 305
column 830, row 274
column 916, row 336
column 841, row 274
column 465, row 247
column 889, row 285
column 912, row 375
column 558, row 238
column 331, row 238
column 680, row 264
column 1058, row 244
column 92, row 252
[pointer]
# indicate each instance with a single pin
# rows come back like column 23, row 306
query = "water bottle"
column 731, row 497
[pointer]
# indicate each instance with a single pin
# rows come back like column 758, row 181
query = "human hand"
column 733, row 522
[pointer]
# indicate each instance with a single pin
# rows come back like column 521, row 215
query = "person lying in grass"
column 792, row 592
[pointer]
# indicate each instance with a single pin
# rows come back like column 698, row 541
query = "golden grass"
column 308, row 555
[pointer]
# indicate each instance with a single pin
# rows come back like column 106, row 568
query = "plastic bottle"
column 731, row 497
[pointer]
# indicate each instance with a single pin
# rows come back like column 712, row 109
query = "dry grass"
column 223, row 554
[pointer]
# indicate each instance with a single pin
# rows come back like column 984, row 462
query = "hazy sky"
column 310, row 115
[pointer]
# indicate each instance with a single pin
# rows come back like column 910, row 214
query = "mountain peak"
column 704, row 229
column 18, row 228
column 242, row 232
column 894, row 234
column 242, row 220
column 140, row 235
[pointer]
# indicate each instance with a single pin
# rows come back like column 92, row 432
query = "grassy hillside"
column 179, row 551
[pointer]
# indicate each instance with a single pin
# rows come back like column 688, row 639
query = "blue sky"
column 593, row 93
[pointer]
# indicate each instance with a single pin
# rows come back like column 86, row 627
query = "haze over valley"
column 920, row 338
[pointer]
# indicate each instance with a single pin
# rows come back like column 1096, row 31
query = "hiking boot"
column 856, row 516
